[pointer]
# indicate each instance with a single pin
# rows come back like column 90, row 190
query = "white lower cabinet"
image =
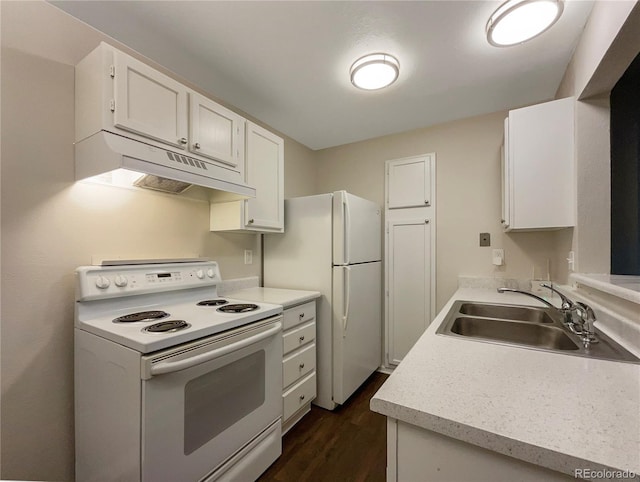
column 298, row 363
column 414, row 453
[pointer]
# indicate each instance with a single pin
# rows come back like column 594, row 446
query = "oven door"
column 204, row 401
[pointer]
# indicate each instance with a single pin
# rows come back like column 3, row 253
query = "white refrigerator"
column 332, row 244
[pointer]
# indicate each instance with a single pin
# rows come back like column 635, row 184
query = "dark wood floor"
column 347, row 444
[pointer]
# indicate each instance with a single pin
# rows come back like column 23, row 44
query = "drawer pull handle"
column 301, row 315
column 302, row 338
column 301, row 397
column 301, row 366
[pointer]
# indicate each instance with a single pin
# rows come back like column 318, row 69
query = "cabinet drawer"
column 298, row 364
column 298, row 396
column 299, row 314
column 298, row 336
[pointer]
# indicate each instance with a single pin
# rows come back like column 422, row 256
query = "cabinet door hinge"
column 112, row 105
column 112, row 71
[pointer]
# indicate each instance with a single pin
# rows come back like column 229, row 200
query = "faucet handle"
column 585, row 312
column 587, row 319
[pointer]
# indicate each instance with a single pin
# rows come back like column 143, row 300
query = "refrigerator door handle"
column 347, row 284
column 347, row 228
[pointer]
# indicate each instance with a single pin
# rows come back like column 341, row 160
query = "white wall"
column 609, row 43
column 468, row 195
column 51, row 225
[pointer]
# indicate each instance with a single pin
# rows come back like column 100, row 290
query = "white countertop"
column 286, row 298
column 625, row 287
column 558, row 411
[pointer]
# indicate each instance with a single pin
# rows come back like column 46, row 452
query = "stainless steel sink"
column 531, row 334
column 525, row 326
column 506, row 312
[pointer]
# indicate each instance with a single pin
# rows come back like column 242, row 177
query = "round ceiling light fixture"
column 374, row 71
column 517, row 21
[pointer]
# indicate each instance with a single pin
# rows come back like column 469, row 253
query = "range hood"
column 166, row 170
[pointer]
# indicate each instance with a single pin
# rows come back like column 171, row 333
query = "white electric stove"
column 173, row 381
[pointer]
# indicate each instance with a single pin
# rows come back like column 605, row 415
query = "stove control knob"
column 211, row 273
column 102, row 282
column 200, row 274
column 121, row 281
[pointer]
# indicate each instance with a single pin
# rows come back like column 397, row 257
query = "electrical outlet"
column 248, row 256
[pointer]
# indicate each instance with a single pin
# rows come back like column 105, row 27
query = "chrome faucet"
column 513, row 290
column 578, row 317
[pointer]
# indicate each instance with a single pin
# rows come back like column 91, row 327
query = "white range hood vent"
column 167, row 170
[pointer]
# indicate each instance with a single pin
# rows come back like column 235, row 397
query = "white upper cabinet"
column 409, row 183
column 148, row 102
column 539, row 168
column 122, row 95
column 264, row 170
column 215, row 132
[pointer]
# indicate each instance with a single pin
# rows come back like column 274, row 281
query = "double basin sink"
column 528, row 327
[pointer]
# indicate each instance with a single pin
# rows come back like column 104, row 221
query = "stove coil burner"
column 217, row 302
column 238, row 308
column 167, row 326
column 141, row 316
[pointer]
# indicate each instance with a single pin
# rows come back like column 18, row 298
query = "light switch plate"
column 248, row 256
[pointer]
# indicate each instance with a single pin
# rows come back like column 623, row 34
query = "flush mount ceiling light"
column 374, row 71
column 517, row 21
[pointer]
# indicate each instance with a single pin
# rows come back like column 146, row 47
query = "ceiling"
column 287, row 63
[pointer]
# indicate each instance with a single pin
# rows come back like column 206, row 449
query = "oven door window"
column 215, row 401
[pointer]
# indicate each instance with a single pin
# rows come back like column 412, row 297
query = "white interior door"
column 357, row 326
column 356, row 229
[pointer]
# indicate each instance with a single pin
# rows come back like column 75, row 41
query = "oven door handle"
column 176, row 366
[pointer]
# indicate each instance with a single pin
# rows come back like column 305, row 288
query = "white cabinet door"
column 148, row 102
column 409, row 183
column 539, row 166
column 265, row 172
column 409, row 284
column 215, row 131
